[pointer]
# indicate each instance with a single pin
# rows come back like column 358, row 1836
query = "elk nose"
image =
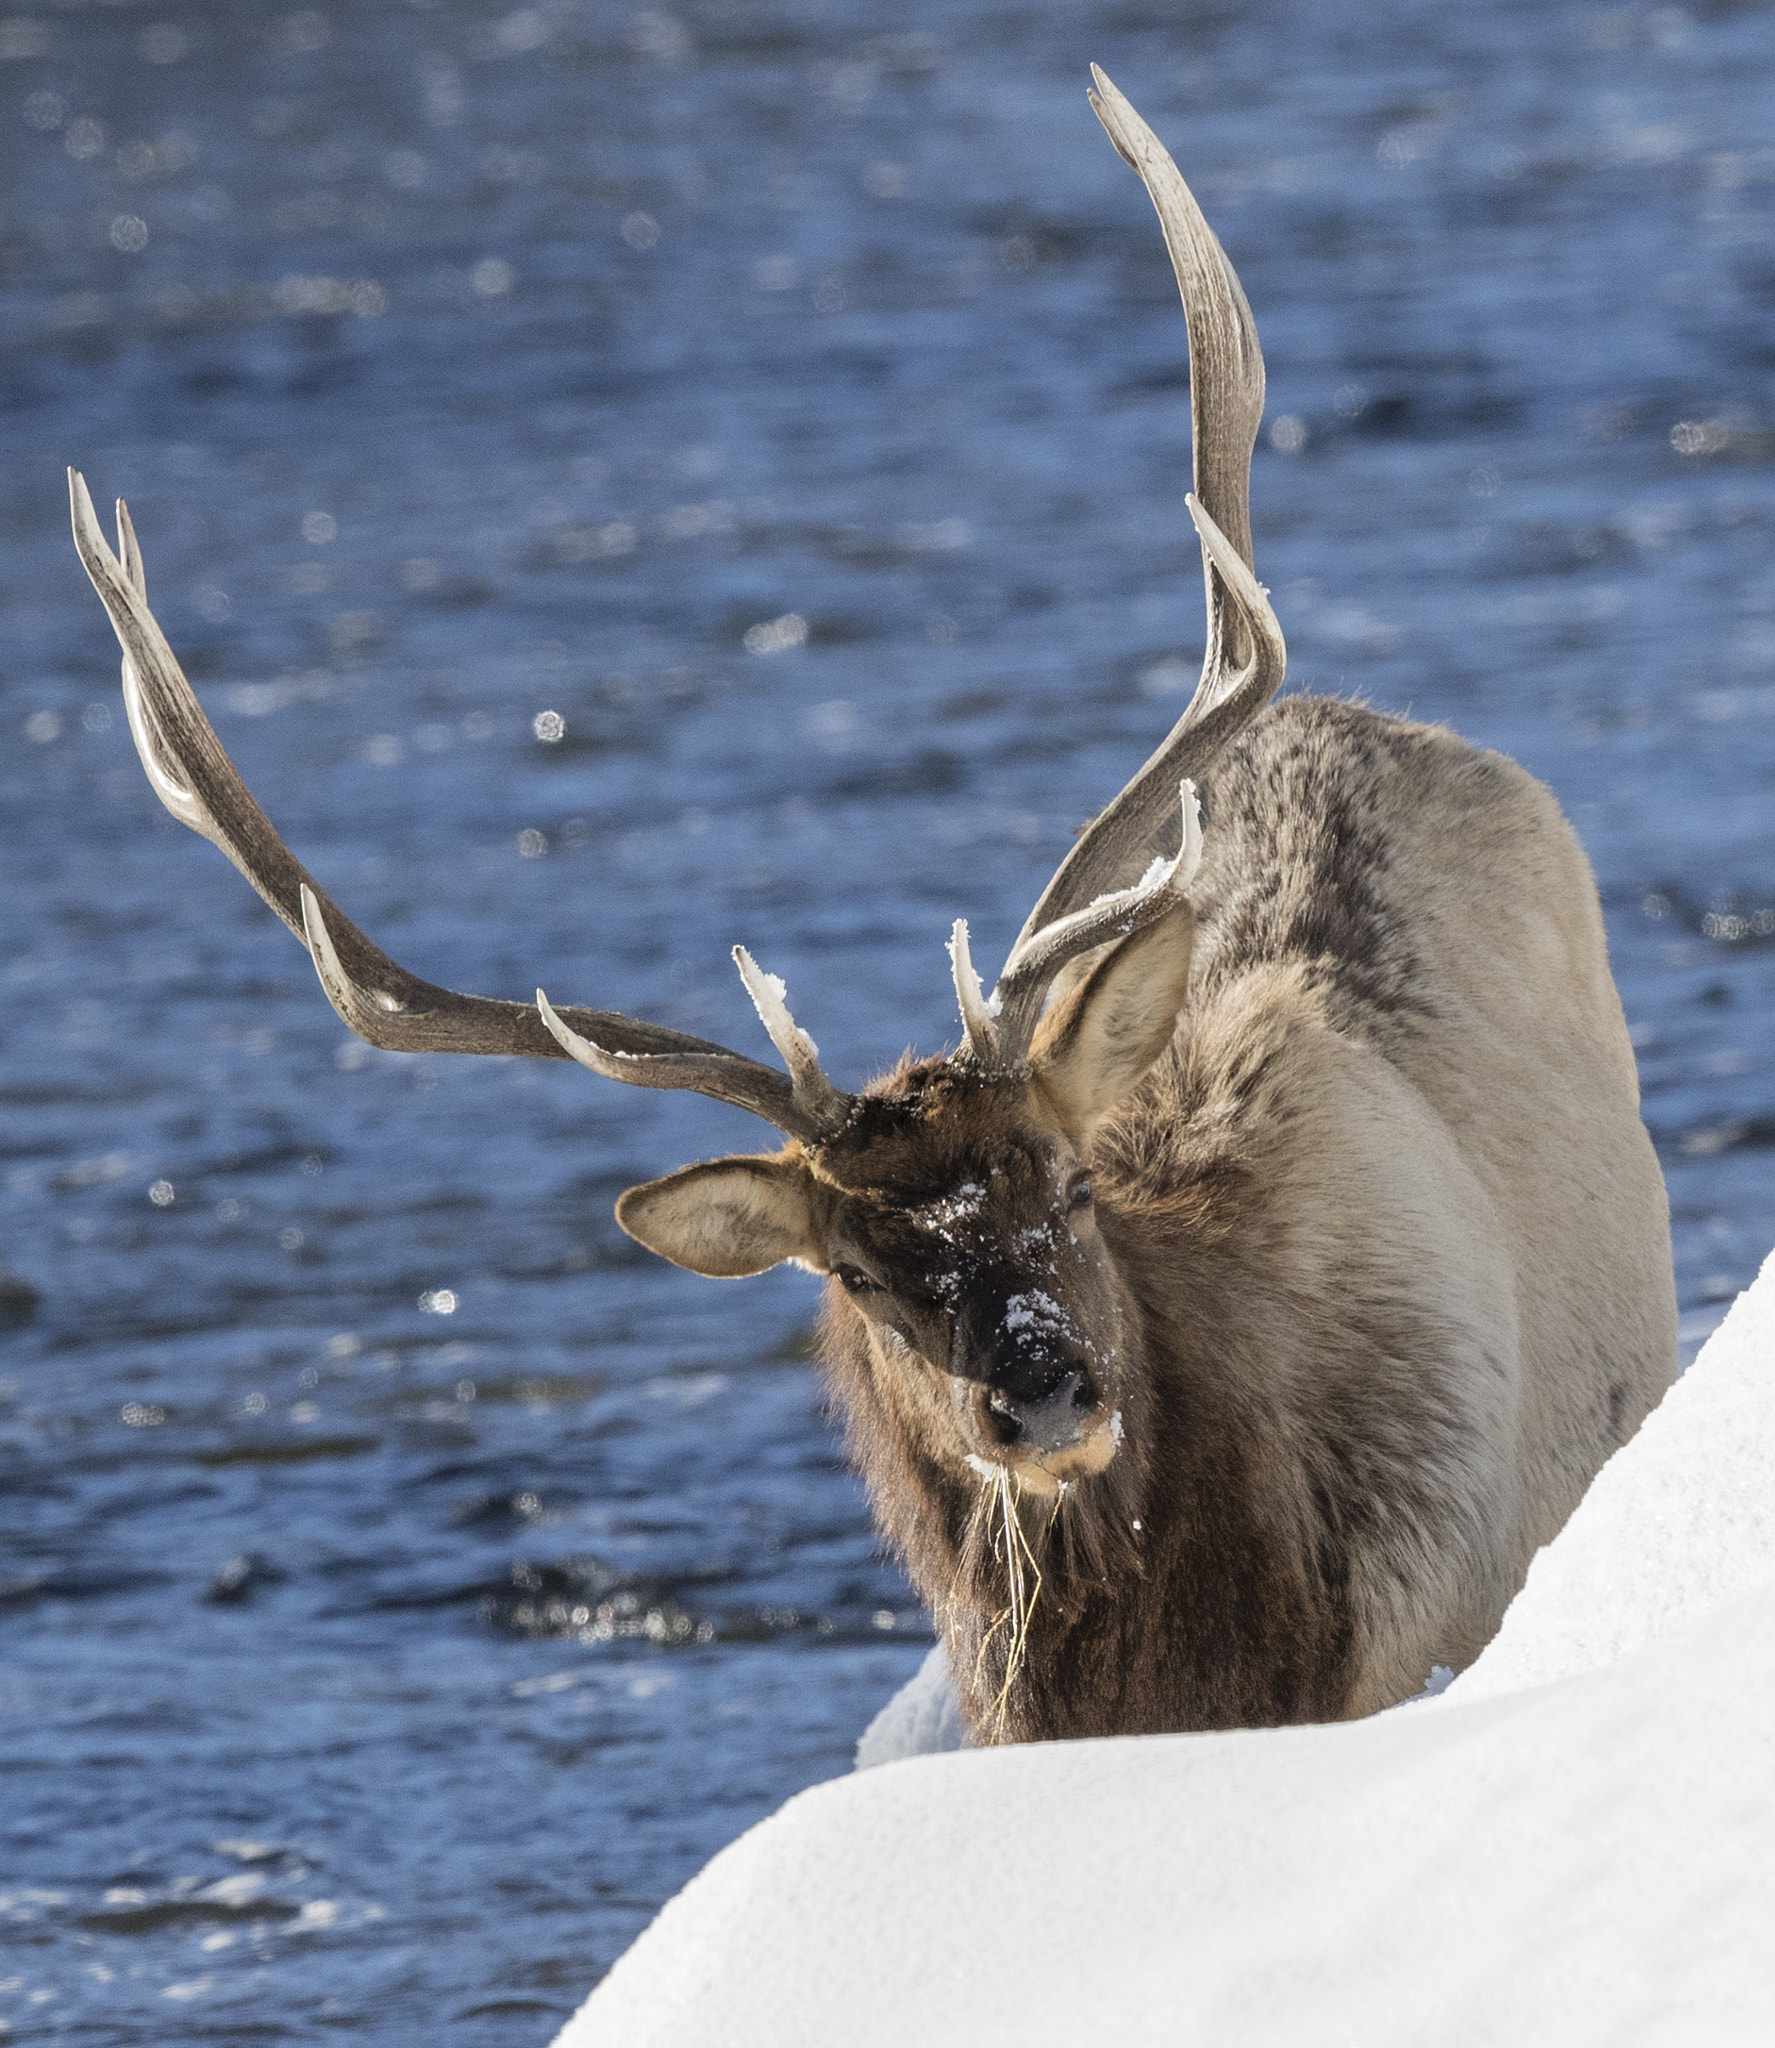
column 1049, row 1420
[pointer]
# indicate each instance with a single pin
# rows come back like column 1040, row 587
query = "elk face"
column 955, row 1215
column 965, row 1237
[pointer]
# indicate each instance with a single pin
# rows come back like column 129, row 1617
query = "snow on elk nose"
column 1033, row 1369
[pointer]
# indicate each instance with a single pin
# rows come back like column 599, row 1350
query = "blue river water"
column 405, row 1583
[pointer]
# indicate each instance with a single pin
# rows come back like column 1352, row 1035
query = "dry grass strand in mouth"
column 1023, row 1582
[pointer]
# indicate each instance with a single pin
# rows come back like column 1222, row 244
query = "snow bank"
column 1578, row 1862
column 1585, row 1863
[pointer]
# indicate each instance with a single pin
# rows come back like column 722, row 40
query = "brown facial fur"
column 955, row 1192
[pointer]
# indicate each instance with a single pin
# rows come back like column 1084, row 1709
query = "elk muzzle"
column 1049, row 1436
column 1043, row 1418
column 1027, row 1373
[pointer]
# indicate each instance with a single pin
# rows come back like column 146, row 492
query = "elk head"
column 950, row 1203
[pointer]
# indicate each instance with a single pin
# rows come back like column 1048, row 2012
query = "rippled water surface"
column 406, row 1583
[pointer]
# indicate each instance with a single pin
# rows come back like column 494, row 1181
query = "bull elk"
column 1223, row 1324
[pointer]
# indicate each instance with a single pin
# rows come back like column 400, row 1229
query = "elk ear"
column 1100, row 1039
column 728, row 1218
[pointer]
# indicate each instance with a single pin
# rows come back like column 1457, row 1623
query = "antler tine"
column 190, row 772
column 976, row 1011
column 130, row 549
column 156, row 761
column 1030, row 971
column 1245, row 657
column 825, row 1106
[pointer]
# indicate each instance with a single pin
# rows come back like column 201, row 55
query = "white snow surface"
column 1678, row 1521
column 1569, row 1846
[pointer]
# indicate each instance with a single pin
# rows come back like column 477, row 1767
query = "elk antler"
column 1090, row 900
column 193, row 777
column 1245, row 656
column 978, row 1011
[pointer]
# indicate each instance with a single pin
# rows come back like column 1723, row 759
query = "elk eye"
column 854, row 1280
column 1078, row 1191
